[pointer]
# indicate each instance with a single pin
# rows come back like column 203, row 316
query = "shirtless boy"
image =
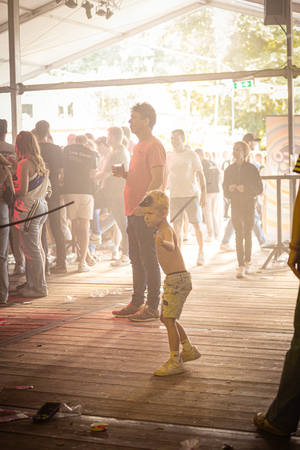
column 177, row 285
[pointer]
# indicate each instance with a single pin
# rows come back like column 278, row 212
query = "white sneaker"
column 123, row 261
column 226, row 248
column 201, row 259
column 171, row 367
column 91, row 261
column 83, row 268
column 240, row 272
column 247, row 267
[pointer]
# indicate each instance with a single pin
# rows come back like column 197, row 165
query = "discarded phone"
column 46, row 412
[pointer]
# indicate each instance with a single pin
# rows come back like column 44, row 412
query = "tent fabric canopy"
column 52, row 34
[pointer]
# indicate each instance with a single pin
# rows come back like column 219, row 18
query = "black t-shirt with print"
column 78, row 162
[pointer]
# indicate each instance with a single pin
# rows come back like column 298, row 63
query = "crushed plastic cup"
column 272, row 263
column 67, row 411
column 104, row 292
column 70, row 298
column 118, row 291
column 95, row 293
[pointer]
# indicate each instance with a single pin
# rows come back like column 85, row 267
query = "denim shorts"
column 193, row 209
column 177, row 287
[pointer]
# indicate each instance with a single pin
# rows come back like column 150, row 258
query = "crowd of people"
column 89, row 176
column 107, row 178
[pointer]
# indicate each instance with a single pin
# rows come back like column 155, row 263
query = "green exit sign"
column 243, row 84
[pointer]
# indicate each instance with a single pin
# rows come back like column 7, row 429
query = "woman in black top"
column 242, row 183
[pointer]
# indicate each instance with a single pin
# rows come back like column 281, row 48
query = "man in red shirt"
column 146, row 173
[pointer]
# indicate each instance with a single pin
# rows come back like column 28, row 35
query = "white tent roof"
column 51, row 34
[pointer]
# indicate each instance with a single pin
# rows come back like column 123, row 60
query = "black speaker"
column 275, row 12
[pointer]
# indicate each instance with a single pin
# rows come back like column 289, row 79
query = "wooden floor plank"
column 78, row 353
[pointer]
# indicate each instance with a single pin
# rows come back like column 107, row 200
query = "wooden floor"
column 72, row 350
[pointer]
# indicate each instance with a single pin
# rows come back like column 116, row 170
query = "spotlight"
column 101, row 12
column 88, row 7
column 109, row 13
column 71, row 3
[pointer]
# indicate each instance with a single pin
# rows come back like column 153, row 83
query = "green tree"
column 205, row 41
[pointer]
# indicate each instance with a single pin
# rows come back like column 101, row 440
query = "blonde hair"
column 156, row 199
column 244, row 146
column 29, row 148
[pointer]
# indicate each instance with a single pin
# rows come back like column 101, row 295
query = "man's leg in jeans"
column 148, row 258
column 258, row 230
column 138, row 272
column 284, row 412
column 229, row 230
column 95, row 222
column 117, row 209
column 55, row 226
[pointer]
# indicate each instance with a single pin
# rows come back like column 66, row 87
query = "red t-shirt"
column 146, row 155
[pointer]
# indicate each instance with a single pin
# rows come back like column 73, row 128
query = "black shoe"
column 58, row 269
column 21, row 286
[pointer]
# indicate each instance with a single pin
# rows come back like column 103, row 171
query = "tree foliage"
column 204, row 41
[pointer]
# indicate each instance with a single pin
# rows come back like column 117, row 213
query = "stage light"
column 109, row 13
column 71, row 3
column 88, row 7
column 101, row 12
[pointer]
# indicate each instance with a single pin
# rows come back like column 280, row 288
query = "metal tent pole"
column 290, row 85
column 14, row 65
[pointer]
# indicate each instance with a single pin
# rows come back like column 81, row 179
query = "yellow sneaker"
column 171, row 367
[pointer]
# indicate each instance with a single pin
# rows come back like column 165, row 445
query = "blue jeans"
column 143, row 258
column 35, row 272
column 118, row 211
column 284, row 412
column 116, row 215
column 4, row 240
column 95, row 222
